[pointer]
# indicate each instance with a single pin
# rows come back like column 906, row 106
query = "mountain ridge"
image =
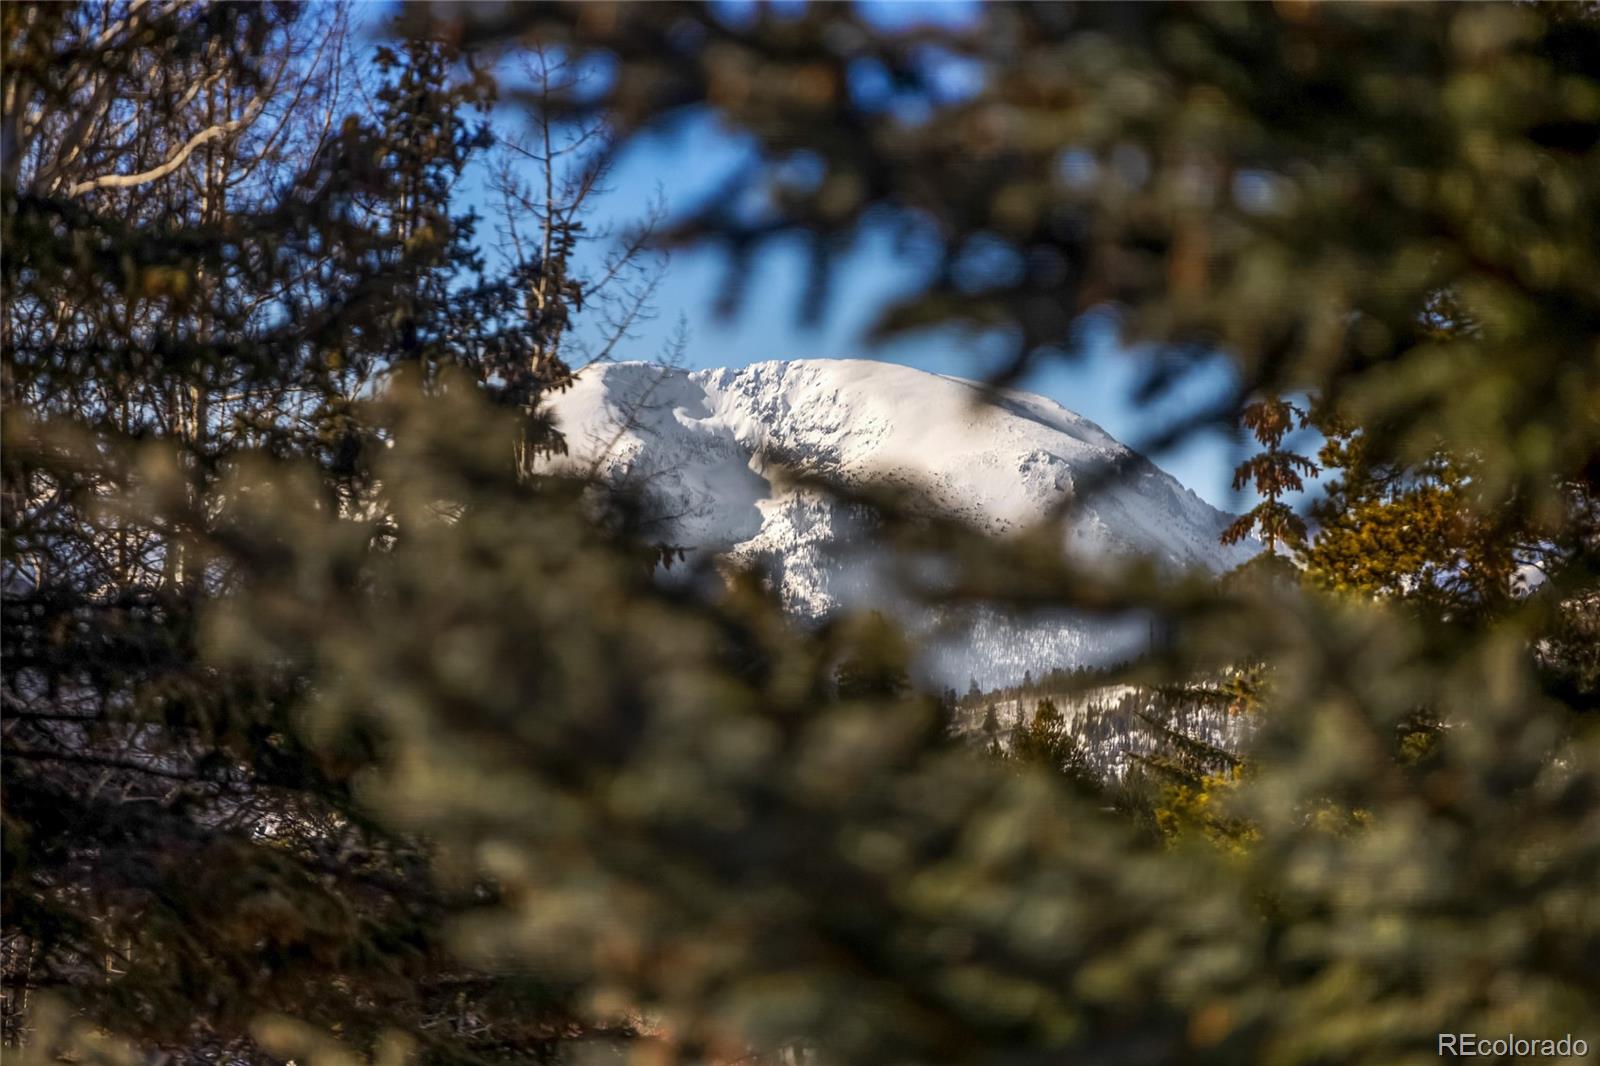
column 710, row 449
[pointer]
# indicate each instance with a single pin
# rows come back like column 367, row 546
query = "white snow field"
column 712, row 452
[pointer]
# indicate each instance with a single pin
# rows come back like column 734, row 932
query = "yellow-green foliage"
column 1415, row 532
column 1185, row 810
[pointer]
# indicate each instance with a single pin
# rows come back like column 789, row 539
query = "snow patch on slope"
column 711, row 451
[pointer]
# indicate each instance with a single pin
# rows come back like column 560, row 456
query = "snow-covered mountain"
column 711, row 451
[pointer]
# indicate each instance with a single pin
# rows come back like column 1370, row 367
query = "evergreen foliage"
column 178, row 860
column 1047, row 742
column 1273, row 472
column 1413, row 531
column 335, row 732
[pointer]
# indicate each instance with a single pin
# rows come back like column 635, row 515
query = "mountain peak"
column 709, row 450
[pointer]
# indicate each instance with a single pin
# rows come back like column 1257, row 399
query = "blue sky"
column 688, row 163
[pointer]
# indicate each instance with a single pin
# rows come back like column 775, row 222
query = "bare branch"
column 176, row 160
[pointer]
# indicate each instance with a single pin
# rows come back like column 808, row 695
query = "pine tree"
column 1410, row 531
column 659, row 801
column 205, row 254
column 1047, row 742
column 1042, row 740
column 1273, row 473
column 991, row 731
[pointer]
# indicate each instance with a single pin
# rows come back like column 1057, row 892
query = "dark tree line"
column 225, row 227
